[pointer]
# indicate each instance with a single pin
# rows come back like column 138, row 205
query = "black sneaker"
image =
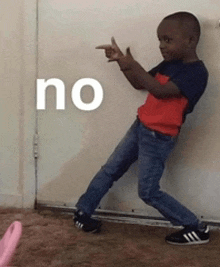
column 86, row 223
column 189, row 237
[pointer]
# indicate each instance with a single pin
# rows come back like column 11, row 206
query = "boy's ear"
column 192, row 41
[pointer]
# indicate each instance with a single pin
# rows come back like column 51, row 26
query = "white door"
column 74, row 143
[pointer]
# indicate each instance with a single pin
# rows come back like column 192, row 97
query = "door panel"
column 74, row 144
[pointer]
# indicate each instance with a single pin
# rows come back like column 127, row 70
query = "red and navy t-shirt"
column 167, row 115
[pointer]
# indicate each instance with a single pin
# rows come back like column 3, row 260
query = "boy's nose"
column 162, row 45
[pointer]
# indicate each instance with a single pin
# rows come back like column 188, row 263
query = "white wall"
column 73, row 144
column 17, row 101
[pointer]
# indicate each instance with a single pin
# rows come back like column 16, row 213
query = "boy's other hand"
column 112, row 51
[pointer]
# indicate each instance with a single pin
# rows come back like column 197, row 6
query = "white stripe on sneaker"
column 196, row 236
column 207, row 230
column 187, row 238
column 192, row 237
column 79, row 225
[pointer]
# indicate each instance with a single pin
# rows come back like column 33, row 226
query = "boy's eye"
column 167, row 40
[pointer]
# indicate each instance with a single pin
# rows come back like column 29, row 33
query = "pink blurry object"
column 9, row 243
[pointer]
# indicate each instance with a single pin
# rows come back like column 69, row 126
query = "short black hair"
column 188, row 20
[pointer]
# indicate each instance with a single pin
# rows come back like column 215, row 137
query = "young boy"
column 174, row 87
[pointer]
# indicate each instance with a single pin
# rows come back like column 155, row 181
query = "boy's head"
column 179, row 34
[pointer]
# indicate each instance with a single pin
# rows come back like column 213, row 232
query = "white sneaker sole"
column 188, row 243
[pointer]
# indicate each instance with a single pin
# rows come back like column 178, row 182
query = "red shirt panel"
column 163, row 115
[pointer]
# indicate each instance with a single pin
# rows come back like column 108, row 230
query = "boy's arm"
column 136, row 75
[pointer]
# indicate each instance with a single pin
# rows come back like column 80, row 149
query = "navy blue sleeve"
column 192, row 81
column 154, row 70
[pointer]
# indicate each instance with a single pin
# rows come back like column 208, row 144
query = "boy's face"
column 174, row 42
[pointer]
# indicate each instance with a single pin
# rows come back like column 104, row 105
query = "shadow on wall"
column 75, row 177
column 194, row 143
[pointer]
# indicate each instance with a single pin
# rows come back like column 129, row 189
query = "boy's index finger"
column 108, row 46
column 104, row 47
column 113, row 41
column 114, row 44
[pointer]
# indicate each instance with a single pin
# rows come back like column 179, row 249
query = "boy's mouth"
column 163, row 52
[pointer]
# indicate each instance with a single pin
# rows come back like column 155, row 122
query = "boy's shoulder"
column 172, row 68
column 190, row 78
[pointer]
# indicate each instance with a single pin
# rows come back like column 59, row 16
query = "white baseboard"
column 122, row 217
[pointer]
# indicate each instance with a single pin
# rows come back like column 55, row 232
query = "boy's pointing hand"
column 112, row 51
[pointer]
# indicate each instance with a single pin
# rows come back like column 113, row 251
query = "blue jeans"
column 151, row 149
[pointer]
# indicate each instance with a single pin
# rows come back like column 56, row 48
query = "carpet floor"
column 50, row 240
